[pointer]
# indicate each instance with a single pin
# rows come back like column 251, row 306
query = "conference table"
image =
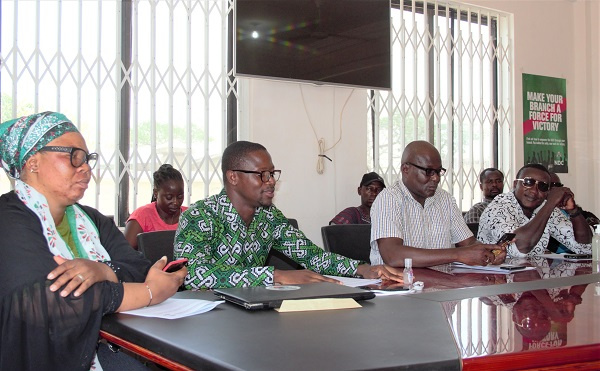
column 463, row 319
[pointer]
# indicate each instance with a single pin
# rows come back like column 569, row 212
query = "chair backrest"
column 155, row 245
column 293, row 222
column 280, row 261
column 474, row 227
column 351, row 240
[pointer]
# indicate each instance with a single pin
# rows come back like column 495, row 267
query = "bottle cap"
column 408, row 262
column 418, row 286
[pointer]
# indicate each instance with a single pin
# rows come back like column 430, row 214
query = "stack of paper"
column 176, row 308
column 356, row 282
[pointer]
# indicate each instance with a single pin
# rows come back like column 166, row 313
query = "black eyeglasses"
column 556, row 184
column 429, row 171
column 265, row 176
column 79, row 156
column 530, row 182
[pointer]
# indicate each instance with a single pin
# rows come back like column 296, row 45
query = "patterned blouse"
column 223, row 252
column 504, row 214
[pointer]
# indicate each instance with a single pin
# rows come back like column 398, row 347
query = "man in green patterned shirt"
column 228, row 236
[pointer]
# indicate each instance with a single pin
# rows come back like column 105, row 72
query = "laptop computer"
column 266, row 297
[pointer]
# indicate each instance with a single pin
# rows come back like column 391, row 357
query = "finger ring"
column 81, row 277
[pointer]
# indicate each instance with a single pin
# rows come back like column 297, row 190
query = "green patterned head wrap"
column 23, row 137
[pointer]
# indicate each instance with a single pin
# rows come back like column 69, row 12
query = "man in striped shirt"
column 414, row 218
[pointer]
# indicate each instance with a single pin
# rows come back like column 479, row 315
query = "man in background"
column 491, row 183
column 589, row 216
column 370, row 186
column 592, row 220
column 414, row 218
column 533, row 211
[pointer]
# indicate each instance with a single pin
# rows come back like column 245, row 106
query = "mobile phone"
column 511, row 267
column 505, row 239
column 578, row 256
column 175, row 265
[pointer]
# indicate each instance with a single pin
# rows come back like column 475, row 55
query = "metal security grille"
column 148, row 82
column 483, row 326
column 452, row 86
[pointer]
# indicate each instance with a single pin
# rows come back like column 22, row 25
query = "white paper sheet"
column 176, row 308
column 355, row 282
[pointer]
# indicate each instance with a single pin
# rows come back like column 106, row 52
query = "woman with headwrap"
column 62, row 265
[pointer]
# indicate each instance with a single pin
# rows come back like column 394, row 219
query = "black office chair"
column 474, row 227
column 155, row 245
column 279, row 260
column 293, row 222
column 351, row 240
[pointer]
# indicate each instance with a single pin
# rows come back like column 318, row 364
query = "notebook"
column 266, row 297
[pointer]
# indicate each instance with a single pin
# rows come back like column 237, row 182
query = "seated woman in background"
column 63, row 266
column 162, row 213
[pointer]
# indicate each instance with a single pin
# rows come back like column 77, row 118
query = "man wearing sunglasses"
column 414, row 218
column 227, row 237
column 533, row 212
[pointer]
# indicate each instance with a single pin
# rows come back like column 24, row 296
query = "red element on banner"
column 528, row 125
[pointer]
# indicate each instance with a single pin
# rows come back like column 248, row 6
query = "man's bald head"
column 419, row 148
column 421, row 169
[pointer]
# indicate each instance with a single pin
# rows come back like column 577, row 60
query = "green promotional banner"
column 545, row 122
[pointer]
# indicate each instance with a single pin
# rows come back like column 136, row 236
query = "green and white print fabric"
column 223, row 252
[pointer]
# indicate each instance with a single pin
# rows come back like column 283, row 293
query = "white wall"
column 552, row 38
column 279, row 118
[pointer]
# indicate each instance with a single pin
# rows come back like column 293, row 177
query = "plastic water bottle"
column 407, row 274
column 596, row 249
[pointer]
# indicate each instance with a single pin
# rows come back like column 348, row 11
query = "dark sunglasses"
column 556, row 184
column 530, row 182
column 429, row 171
column 79, row 156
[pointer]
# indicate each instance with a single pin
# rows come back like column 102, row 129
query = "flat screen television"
column 339, row 42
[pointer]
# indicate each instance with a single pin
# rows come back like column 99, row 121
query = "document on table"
column 176, row 308
column 464, row 268
column 361, row 282
column 355, row 282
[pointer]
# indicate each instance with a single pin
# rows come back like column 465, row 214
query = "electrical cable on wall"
column 321, row 142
